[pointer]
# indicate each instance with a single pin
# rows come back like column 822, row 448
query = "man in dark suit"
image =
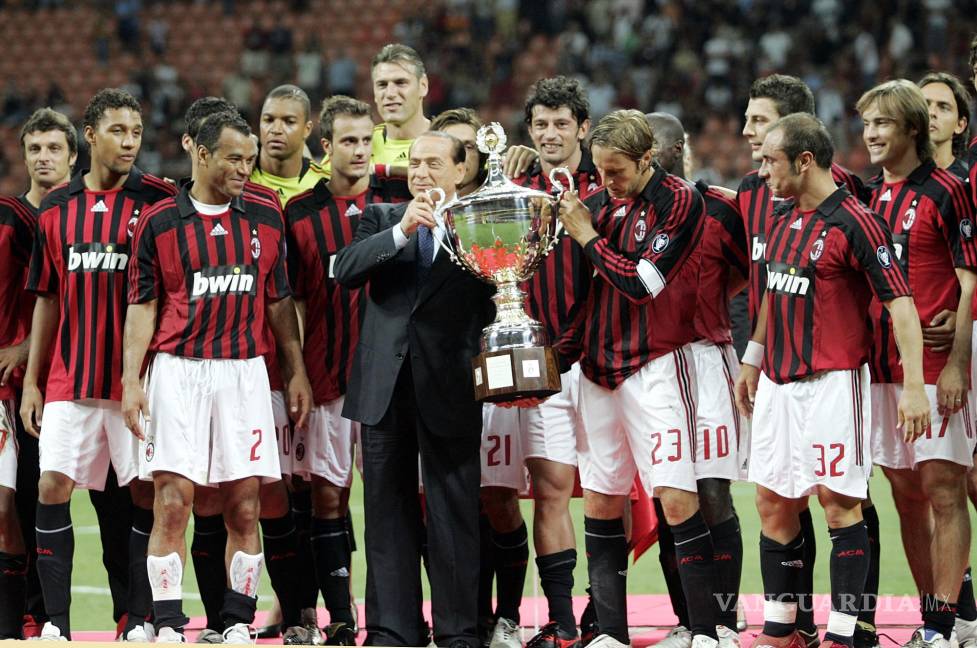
column 411, row 388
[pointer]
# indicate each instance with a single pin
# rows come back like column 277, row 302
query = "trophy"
column 500, row 233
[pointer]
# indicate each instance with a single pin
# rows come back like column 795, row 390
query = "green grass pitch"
column 91, row 608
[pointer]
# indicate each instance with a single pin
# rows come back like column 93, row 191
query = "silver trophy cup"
column 501, row 233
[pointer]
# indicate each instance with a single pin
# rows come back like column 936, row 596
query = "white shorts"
column 284, row 432
column 972, row 394
column 552, row 428
column 646, row 426
column 718, row 426
column 813, row 432
column 8, row 444
column 950, row 439
column 211, row 420
column 79, row 438
column 326, row 448
column 503, row 431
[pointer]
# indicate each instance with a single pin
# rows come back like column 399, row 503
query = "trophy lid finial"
column 491, row 139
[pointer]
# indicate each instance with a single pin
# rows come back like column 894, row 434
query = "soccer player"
column 931, row 218
column 284, row 125
column 949, row 109
column 826, row 255
column 319, row 223
column 49, row 144
column 557, row 114
column 723, row 273
column 211, row 262
column 637, row 385
column 77, row 270
column 771, row 98
column 399, row 87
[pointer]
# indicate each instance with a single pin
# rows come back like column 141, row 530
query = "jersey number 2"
column 254, row 448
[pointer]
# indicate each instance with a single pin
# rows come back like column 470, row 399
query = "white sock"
column 165, row 577
column 841, row 624
column 779, row 612
column 245, row 571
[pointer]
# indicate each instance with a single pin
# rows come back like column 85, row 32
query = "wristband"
column 753, row 354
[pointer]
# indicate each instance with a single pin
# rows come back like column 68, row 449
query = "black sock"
column 666, row 556
column 870, row 599
column 169, row 614
column 207, row 551
column 281, row 557
column 939, row 615
column 727, row 540
column 697, row 569
column 780, row 569
column 140, row 597
column 850, row 555
column 13, row 590
column 330, row 547
column 607, row 566
column 238, row 608
column 556, row 579
column 966, row 609
column 308, row 584
column 55, row 554
column 805, row 586
column 486, row 571
column 511, row 558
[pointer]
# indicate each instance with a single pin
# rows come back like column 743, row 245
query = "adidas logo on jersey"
column 223, row 280
column 887, row 195
column 342, row 572
column 97, row 257
column 100, row 206
column 619, row 212
column 797, row 224
column 353, row 210
column 218, row 230
column 787, row 282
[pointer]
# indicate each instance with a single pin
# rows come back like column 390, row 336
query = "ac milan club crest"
column 817, row 249
column 131, row 225
column 300, row 452
column 909, row 217
column 640, row 231
column 255, row 247
column 150, row 451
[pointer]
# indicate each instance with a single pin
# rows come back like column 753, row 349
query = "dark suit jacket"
column 437, row 326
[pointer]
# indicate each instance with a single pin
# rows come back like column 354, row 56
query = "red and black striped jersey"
column 17, row 223
column 972, row 170
column 318, row 225
column 932, row 224
column 647, row 259
column 823, row 267
column 81, row 253
column 561, row 283
column 723, row 249
column 212, row 274
column 756, row 204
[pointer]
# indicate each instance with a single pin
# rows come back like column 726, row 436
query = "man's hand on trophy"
column 517, row 160
column 576, row 218
column 420, row 211
column 522, row 402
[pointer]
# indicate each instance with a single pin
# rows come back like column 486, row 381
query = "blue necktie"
column 425, row 252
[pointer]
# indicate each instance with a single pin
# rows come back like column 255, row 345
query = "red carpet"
column 650, row 616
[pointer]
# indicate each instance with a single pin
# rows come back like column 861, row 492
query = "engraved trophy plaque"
column 501, row 233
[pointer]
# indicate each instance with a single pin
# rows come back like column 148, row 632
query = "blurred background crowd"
column 693, row 58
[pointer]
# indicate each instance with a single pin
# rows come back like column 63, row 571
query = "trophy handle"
column 559, row 188
column 439, row 203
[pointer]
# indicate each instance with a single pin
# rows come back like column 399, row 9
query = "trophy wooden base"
column 512, row 374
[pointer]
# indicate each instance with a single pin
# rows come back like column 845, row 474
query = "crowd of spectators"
column 693, row 58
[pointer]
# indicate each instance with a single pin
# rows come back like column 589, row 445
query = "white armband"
column 753, row 354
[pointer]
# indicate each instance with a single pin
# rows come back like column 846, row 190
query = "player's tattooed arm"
column 43, row 327
column 914, row 406
column 284, row 325
column 951, row 387
column 138, row 333
column 744, row 391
